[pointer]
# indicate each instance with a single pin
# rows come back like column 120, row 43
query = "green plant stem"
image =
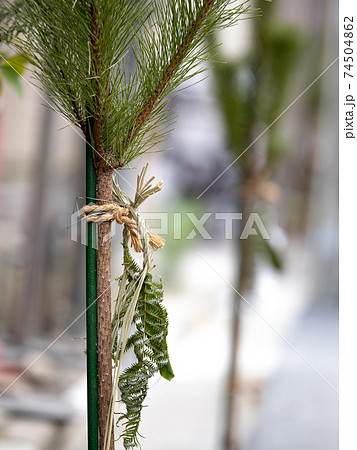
column 91, row 296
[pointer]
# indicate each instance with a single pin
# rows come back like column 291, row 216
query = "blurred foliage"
column 11, row 71
column 176, row 247
column 272, row 255
column 252, row 92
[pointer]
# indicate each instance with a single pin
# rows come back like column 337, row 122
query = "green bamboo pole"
column 91, row 295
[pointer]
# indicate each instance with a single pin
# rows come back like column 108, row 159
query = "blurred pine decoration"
column 252, row 91
column 80, row 51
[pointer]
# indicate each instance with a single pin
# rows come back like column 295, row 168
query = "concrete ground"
column 300, row 407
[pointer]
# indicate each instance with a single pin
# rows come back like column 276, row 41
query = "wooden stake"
column 104, row 192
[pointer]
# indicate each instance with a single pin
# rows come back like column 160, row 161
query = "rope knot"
column 113, row 211
column 119, row 214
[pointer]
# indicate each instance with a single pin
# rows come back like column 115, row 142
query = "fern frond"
column 140, row 322
column 150, row 348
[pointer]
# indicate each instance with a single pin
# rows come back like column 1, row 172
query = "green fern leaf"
column 150, row 348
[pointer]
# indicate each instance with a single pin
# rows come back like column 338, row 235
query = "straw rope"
column 113, row 211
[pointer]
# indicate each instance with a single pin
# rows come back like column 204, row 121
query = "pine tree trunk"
column 244, row 254
column 104, row 192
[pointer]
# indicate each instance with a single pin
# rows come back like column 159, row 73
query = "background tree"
column 251, row 92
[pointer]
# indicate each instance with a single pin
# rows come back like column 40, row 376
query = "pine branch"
column 169, row 49
column 85, row 69
column 171, row 67
column 98, row 138
column 76, row 108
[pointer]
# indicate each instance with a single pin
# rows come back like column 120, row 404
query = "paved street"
column 299, row 409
